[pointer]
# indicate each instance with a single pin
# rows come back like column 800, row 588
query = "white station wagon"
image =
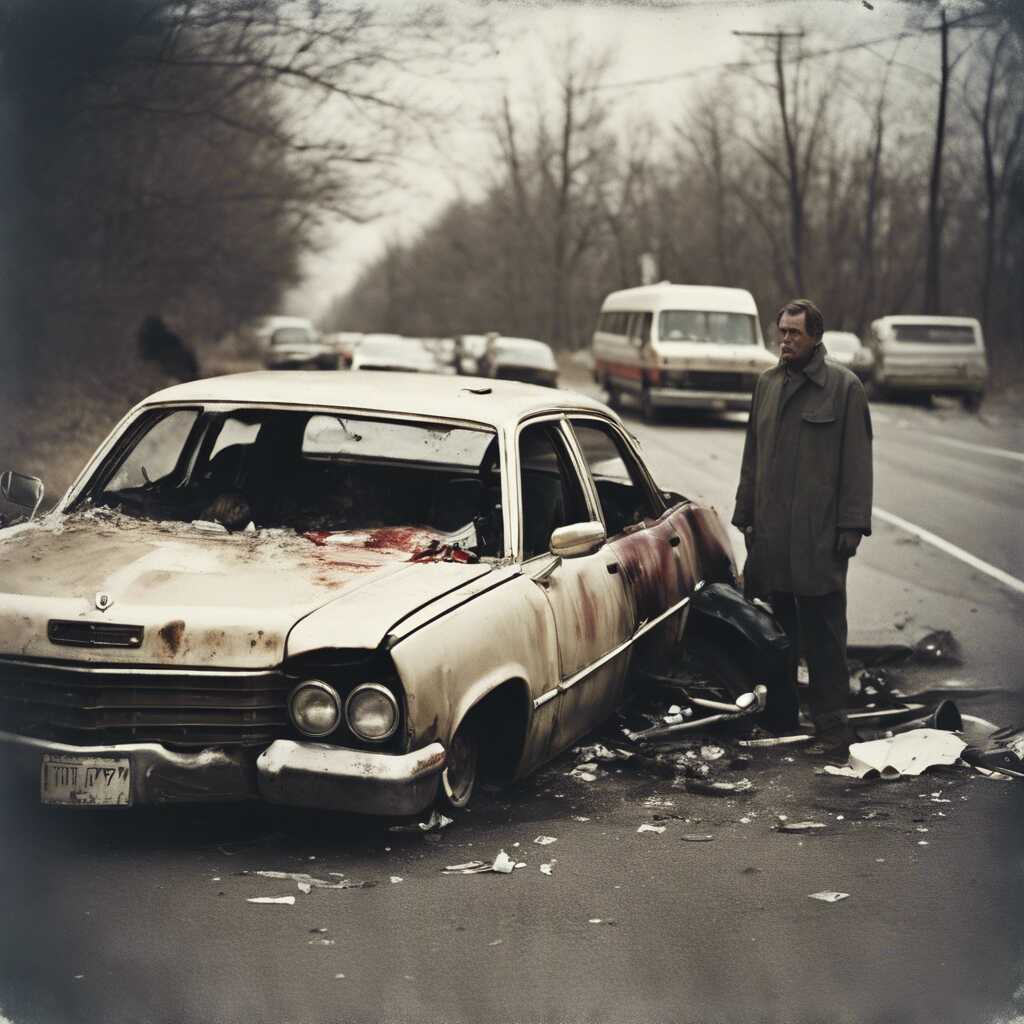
column 357, row 592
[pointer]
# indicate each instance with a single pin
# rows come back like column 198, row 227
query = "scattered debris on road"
column 306, row 882
column 645, row 827
column 801, row 827
column 828, row 897
column 434, row 823
column 288, row 901
column 697, row 837
column 545, row 840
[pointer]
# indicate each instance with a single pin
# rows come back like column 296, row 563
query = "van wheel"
column 649, row 410
column 614, row 398
column 971, row 400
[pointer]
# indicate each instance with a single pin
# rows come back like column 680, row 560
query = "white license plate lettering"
column 76, row 780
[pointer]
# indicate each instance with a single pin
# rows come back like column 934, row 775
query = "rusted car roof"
column 492, row 402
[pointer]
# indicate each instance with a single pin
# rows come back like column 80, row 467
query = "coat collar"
column 815, row 370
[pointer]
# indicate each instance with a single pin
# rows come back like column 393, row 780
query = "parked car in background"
column 680, row 346
column 845, row 348
column 355, row 592
column 293, row 343
column 940, row 355
column 393, row 352
column 522, row 359
column 443, row 351
column 469, row 350
column 345, row 344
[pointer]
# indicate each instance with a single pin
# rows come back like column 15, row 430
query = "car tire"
column 458, row 779
column 971, row 400
column 614, row 398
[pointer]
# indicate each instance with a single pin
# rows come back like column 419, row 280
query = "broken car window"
column 310, row 471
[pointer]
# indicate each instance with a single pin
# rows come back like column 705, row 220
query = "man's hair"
column 814, row 322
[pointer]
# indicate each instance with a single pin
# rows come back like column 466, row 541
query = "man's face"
column 795, row 344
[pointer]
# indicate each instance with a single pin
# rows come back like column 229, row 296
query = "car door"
column 586, row 594
column 653, row 544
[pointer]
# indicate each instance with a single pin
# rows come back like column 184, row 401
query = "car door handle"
column 674, row 540
column 613, row 568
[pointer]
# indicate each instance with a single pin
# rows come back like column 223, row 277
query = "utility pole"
column 795, row 185
column 932, row 276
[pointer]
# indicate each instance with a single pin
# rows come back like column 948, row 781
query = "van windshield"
column 934, row 334
column 709, row 328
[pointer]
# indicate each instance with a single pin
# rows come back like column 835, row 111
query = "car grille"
column 103, row 705
column 77, row 633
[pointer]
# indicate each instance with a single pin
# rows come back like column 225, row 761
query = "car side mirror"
column 577, row 539
column 18, row 489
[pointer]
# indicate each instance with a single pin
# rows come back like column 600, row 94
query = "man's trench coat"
column 806, row 474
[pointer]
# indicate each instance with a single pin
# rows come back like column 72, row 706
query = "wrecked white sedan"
column 358, row 593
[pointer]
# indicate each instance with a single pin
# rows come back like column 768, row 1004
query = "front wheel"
column 460, row 773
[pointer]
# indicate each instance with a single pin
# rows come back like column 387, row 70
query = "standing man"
column 804, row 502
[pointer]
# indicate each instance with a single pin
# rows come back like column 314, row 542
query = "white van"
column 680, row 346
column 930, row 355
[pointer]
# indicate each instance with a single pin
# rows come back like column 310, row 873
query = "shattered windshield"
column 317, row 473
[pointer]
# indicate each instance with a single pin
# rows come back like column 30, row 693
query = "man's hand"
column 847, row 542
column 748, row 537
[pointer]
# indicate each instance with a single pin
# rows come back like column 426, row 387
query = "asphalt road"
column 143, row 916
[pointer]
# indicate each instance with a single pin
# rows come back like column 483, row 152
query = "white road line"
column 1003, row 453
column 951, row 549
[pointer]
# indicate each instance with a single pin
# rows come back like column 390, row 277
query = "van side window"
column 622, row 489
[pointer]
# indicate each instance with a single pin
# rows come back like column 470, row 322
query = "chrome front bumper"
column 287, row 772
column 319, row 775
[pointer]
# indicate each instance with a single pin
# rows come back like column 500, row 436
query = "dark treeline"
column 178, row 158
column 800, row 173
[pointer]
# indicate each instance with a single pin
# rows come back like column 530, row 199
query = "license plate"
column 73, row 780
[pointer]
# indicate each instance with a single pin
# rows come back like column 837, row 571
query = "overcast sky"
column 667, row 44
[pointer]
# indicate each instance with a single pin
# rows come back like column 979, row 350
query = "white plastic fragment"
column 583, row 774
column 828, row 897
column 712, row 752
column 304, row 887
column 503, row 864
column 288, row 901
column 645, row 827
column 545, row 840
column 395, row 879
column 801, row 826
column 579, row 817
column 906, row 753
column 545, row 869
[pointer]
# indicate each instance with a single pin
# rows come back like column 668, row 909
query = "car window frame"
column 654, row 492
column 586, row 484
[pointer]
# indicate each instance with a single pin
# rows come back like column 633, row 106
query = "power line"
column 864, row 44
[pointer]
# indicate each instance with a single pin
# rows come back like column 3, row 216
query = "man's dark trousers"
column 816, row 627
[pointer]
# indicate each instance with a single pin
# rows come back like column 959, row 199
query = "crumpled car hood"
column 209, row 599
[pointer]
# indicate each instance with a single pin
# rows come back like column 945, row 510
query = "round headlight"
column 372, row 712
column 315, row 708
